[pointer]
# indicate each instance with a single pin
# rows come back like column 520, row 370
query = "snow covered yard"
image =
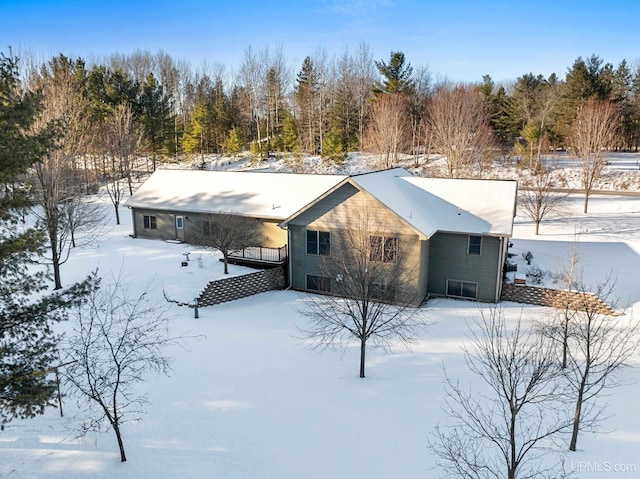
column 248, row 399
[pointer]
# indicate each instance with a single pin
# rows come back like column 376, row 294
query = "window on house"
column 383, row 249
column 318, row 283
column 383, row 292
column 318, row 242
column 208, row 227
column 179, row 222
column 462, row 289
column 150, row 222
column 475, row 244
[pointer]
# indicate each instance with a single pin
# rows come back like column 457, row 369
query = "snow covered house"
column 170, row 204
column 456, row 231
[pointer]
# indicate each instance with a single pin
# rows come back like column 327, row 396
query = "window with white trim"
column 383, row 249
column 475, row 244
column 179, row 222
column 318, row 242
column 149, row 222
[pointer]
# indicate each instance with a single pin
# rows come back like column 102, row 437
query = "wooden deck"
column 259, row 256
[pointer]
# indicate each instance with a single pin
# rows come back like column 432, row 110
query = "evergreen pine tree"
column 196, row 137
column 306, row 96
column 397, row 75
column 333, row 147
column 157, row 120
column 289, row 134
column 233, row 142
column 27, row 340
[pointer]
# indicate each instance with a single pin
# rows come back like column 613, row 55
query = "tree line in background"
column 328, row 105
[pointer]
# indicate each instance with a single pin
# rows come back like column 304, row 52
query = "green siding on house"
column 338, row 212
column 423, row 283
column 165, row 224
column 448, row 259
column 274, row 237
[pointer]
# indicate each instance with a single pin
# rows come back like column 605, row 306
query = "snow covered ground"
column 248, row 399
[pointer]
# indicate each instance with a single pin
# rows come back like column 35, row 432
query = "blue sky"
column 456, row 39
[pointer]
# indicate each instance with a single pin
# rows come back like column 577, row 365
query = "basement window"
column 382, row 292
column 318, row 283
column 462, row 289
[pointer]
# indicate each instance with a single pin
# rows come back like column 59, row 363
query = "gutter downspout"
column 290, row 265
column 501, row 261
column 133, row 222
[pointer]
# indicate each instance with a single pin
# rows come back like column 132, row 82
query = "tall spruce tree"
column 585, row 80
column 27, row 340
column 306, row 97
column 397, row 76
column 157, row 120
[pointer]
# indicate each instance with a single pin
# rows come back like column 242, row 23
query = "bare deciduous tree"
column 537, row 198
column 503, row 429
column 596, row 129
column 228, row 232
column 389, row 129
column 116, row 341
column 84, row 218
column 459, row 127
column 252, row 77
column 277, row 77
column 50, row 178
column 365, row 73
column 417, row 101
column 570, row 274
column 598, row 347
column 366, row 275
column 56, row 177
column 120, row 141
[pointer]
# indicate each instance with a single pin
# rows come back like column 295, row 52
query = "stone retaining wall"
column 556, row 298
column 236, row 287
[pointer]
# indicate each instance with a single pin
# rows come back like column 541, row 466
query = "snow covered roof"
column 250, row 193
column 428, row 204
column 483, row 207
column 440, row 204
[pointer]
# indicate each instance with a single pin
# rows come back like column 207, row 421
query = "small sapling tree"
column 228, row 232
column 599, row 346
column 366, row 274
column 503, row 429
column 117, row 340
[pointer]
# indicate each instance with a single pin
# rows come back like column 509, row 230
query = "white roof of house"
column 491, row 203
column 249, row 193
column 428, row 204
column 439, row 204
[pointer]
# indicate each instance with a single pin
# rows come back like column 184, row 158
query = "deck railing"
column 262, row 253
